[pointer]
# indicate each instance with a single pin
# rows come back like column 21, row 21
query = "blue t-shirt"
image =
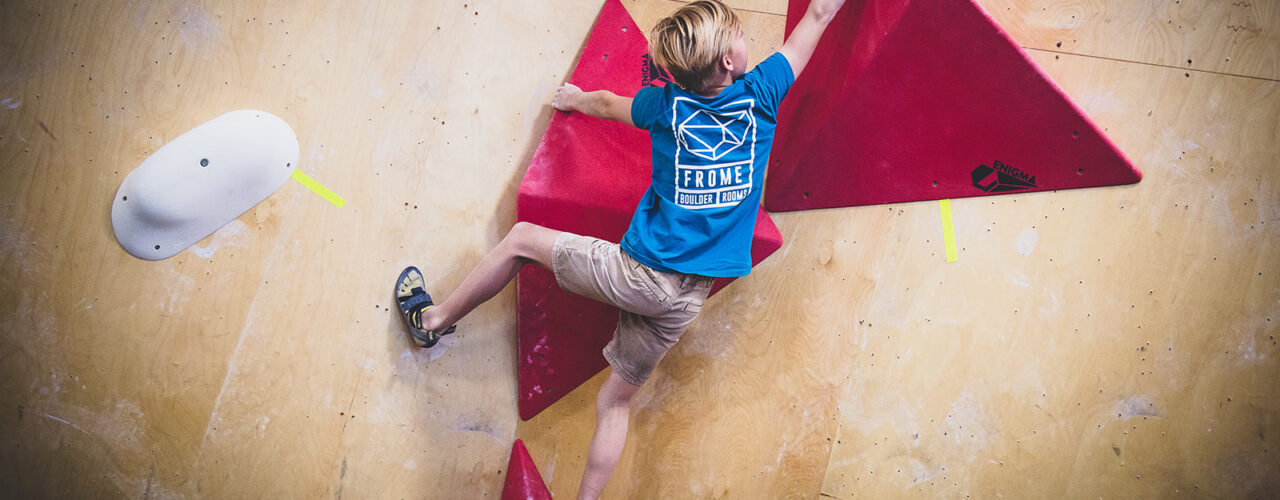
column 709, row 156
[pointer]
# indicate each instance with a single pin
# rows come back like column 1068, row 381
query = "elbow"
column 824, row 17
column 601, row 111
column 824, row 12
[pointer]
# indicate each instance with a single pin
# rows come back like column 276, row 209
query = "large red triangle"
column 523, row 480
column 927, row 99
column 587, row 176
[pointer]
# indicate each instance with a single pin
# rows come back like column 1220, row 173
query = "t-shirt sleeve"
column 771, row 80
column 646, row 107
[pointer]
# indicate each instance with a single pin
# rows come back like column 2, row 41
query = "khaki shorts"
column 656, row 306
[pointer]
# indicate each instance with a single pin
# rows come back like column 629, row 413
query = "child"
column 711, row 135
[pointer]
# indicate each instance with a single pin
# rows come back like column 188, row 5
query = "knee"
column 606, row 404
column 514, row 238
column 521, row 230
column 608, row 401
column 518, row 240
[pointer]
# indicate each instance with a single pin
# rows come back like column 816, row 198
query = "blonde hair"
column 691, row 42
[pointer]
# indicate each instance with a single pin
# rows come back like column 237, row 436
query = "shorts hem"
column 622, row 372
column 558, row 258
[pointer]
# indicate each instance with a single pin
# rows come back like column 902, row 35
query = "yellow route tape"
column 948, row 230
column 319, row 189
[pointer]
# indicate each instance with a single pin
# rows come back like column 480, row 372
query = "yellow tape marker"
column 948, row 230
column 319, row 189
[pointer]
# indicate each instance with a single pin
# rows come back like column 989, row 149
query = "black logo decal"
column 1002, row 178
column 652, row 75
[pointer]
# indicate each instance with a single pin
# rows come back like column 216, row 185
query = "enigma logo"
column 1001, row 178
column 652, row 75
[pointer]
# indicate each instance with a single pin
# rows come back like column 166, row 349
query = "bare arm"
column 600, row 103
column 805, row 37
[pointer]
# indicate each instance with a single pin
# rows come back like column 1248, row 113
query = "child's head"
column 692, row 42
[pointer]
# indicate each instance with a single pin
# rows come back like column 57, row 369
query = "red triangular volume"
column 922, row 100
column 523, row 480
column 587, row 176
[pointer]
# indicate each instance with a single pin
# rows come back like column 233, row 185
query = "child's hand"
column 804, row 38
column 565, row 97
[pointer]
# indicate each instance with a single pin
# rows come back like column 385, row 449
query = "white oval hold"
column 201, row 181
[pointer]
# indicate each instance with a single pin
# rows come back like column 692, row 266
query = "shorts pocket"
column 653, row 281
column 695, row 294
column 693, row 307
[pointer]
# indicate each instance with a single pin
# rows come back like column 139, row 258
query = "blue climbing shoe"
column 412, row 298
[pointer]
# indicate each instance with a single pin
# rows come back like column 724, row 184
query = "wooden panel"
column 742, row 6
column 1107, row 342
column 1236, row 37
column 763, row 32
column 267, row 362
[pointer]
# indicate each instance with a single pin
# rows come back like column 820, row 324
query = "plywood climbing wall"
column 1114, row 342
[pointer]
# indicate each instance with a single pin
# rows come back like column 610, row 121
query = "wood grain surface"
column 1115, row 342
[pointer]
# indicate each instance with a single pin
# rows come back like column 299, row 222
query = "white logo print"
column 715, row 153
column 711, row 135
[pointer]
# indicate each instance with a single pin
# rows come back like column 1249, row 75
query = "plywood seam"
column 1059, row 52
column 1188, row 70
column 738, row 9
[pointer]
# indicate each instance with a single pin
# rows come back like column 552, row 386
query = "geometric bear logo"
column 712, row 135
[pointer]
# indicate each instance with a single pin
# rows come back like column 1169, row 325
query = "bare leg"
column 526, row 243
column 613, row 410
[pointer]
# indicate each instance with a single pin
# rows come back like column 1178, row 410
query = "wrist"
column 585, row 102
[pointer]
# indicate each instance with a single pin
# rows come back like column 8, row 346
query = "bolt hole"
column 126, row 198
column 806, row 194
column 605, row 56
column 1076, row 134
column 287, row 165
column 935, row 183
column 1079, row 171
column 157, row 247
column 204, row 162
